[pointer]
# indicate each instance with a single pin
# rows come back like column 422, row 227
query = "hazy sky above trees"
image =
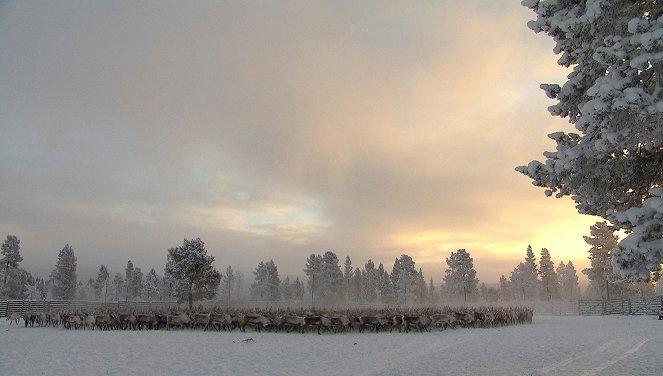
column 273, row 130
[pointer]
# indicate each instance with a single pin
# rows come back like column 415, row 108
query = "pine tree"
column 433, row 298
column 460, row 276
column 386, row 289
column 549, row 280
column 297, row 290
column 603, row 242
column 530, row 275
column 505, row 293
column 118, row 289
column 137, row 283
column 331, row 281
column 267, row 284
column 313, row 269
column 191, row 269
column 152, row 290
column 10, row 249
column 369, row 283
column 568, row 281
column 129, row 278
column 519, row 286
column 422, row 289
column 614, row 167
column 286, row 289
column 347, row 277
column 228, row 283
column 356, row 291
column 101, row 282
column 64, row 275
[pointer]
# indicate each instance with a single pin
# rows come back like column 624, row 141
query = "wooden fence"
column 10, row 306
column 633, row 306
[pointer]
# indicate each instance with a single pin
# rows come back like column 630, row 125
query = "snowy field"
column 552, row 345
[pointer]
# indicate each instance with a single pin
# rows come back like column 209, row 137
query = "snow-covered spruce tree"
column 603, row 243
column 433, row 297
column 385, row 288
column 63, row 275
column 422, row 288
column 519, row 287
column 128, row 278
column 568, row 281
column 267, row 284
column 286, row 289
column 117, row 287
column 312, row 269
column 347, row 278
column 228, row 284
column 191, row 269
column 613, row 167
column 151, row 290
column 331, row 281
column 101, row 282
column 407, row 280
column 16, row 281
column 549, row 279
column 530, row 275
column 297, row 290
column 356, row 290
column 369, row 285
column 505, row 292
column 137, row 283
column 11, row 253
column 460, row 276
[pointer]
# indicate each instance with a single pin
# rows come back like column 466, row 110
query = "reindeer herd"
column 336, row 321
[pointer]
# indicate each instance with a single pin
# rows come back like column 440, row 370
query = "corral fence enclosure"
column 10, row 306
column 630, row 306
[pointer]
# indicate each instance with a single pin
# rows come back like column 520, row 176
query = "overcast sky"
column 277, row 129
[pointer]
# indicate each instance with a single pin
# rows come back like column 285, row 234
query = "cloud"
column 273, row 130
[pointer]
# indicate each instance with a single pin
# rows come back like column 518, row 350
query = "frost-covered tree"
column 297, row 290
column 407, row 281
column 568, row 281
column 118, row 287
column 41, row 288
column 313, row 269
column 63, row 275
column 152, row 289
column 422, row 289
column 228, row 284
column 130, row 292
column 603, row 242
column 505, row 293
column 16, row 281
column 549, row 280
column 191, row 269
column 613, row 167
column 460, row 276
column 101, row 282
column 347, row 277
column 433, row 297
column 528, row 279
column 267, row 284
column 331, row 281
column 286, row 289
column 137, row 283
column 519, row 286
column 369, row 285
column 357, row 286
column 385, row 287
column 11, row 252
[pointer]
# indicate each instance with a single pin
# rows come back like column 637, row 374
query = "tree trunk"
column 190, row 296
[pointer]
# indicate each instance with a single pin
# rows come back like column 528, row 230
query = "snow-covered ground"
column 552, row 345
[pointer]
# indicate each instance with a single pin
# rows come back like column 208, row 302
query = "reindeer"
column 14, row 317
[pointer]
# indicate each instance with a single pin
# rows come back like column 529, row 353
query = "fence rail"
column 10, row 306
column 633, row 306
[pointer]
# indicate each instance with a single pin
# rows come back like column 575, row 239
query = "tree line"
column 189, row 275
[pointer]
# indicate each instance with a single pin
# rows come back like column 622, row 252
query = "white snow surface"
column 552, row 345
